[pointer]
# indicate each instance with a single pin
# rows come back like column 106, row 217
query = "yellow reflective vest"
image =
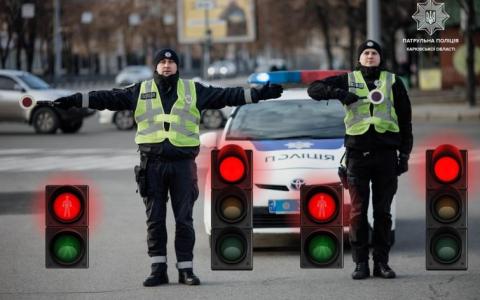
column 358, row 117
column 184, row 118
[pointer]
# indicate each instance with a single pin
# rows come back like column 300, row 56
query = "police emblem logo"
column 168, row 54
column 370, row 44
column 377, row 83
column 430, row 16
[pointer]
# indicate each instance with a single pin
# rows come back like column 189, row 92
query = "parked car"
column 221, row 69
column 15, row 84
column 123, row 120
column 215, row 118
column 133, row 74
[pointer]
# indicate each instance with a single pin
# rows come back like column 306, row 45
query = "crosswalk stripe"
column 37, row 160
column 108, row 159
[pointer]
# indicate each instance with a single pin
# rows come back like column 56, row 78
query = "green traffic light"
column 322, row 248
column 446, row 249
column 232, row 249
column 67, row 248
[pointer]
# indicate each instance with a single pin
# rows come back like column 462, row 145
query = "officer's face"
column 166, row 67
column 370, row 58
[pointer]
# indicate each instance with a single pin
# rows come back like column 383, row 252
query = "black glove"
column 269, row 91
column 74, row 100
column 402, row 163
column 347, row 98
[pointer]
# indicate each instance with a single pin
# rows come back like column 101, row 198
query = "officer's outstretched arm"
column 116, row 99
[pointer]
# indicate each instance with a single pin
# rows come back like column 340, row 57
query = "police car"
column 295, row 141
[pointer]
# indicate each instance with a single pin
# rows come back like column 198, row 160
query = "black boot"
column 381, row 269
column 158, row 276
column 186, row 276
column 361, row 271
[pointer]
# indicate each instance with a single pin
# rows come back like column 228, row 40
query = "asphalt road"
column 103, row 157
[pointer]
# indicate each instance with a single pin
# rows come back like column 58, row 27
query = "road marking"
column 40, row 159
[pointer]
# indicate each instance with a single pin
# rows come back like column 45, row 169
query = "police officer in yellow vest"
column 378, row 143
column 167, row 112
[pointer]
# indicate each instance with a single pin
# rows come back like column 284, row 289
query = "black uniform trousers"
column 179, row 178
column 380, row 169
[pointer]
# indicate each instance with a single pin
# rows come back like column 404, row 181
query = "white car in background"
column 123, row 119
column 295, row 141
column 17, row 84
column 133, row 74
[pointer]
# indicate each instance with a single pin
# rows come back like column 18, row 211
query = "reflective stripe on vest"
column 184, row 118
column 358, row 117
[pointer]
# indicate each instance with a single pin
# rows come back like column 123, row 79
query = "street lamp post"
column 373, row 20
column 57, row 41
column 208, row 42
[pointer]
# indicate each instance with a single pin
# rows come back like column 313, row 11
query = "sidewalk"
column 443, row 106
column 446, row 112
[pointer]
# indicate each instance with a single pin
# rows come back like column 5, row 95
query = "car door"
column 10, row 95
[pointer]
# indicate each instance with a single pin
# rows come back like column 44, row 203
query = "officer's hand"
column 67, row 102
column 402, row 163
column 269, row 91
column 347, row 98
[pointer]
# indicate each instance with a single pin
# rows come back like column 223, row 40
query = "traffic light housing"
column 321, row 226
column 231, row 209
column 446, row 208
column 66, row 232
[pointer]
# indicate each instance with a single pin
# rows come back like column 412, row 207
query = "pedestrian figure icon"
column 321, row 205
column 67, row 205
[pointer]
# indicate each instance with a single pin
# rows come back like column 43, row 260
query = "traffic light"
column 66, row 232
column 446, row 208
column 231, row 213
column 321, row 226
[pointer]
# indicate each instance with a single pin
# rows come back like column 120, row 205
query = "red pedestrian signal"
column 446, row 208
column 66, row 232
column 321, row 226
column 231, row 237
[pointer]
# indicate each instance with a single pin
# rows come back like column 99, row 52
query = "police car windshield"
column 288, row 119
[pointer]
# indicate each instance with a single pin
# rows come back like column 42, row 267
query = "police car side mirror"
column 209, row 140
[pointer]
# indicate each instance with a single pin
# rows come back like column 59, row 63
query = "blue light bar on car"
column 302, row 76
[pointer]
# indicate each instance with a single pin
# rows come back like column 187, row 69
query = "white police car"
column 295, row 141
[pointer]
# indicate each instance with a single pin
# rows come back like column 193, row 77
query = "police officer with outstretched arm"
column 167, row 111
column 378, row 143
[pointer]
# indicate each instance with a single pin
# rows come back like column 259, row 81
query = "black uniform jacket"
column 372, row 140
column 207, row 98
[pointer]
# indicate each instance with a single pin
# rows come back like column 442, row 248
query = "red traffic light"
column 322, row 207
column 233, row 163
column 67, row 207
column 447, row 162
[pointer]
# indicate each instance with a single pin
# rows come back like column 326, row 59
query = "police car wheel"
column 123, row 120
column 45, row 121
column 212, row 118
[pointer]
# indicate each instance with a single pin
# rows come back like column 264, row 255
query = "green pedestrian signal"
column 321, row 226
column 66, row 232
